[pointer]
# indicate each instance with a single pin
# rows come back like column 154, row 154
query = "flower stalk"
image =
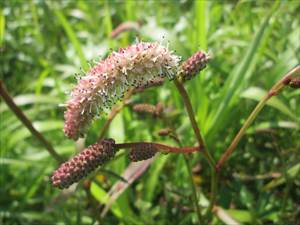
column 27, row 123
column 210, row 160
column 273, row 91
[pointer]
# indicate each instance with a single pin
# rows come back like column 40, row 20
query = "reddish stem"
column 22, row 117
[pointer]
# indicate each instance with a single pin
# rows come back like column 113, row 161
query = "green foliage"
column 44, row 43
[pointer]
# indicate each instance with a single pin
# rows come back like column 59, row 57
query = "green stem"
column 22, row 117
column 210, row 160
column 189, row 109
column 273, row 91
column 195, row 197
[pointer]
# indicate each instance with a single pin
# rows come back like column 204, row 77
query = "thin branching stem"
column 27, row 123
column 194, row 199
column 273, row 91
column 189, row 109
column 211, row 162
column 193, row 185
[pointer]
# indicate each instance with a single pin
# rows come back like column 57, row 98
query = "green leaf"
column 43, row 126
column 31, row 99
column 243, row 70
column 102, row 197
column 17, row 162
column 152, row 180
column 243, row 216
column 72, row 37
column 2, row 27
column 39, row 83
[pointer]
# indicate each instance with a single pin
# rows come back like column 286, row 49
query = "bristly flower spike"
column 106, row 82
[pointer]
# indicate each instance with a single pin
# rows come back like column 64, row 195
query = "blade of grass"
column 233, row 82
column 2, row 27
column 152, row 180
column 41, row 126
column 39, row 83
column 102, row 197
column 72, row 36
column 200, row 24
column 108, row 23
column 200, row 42
column 27, row 99
column 132, row 172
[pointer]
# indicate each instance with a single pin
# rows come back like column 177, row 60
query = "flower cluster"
column 83, row 163
column 193, row 65
column 106, row 82
column 142, row 151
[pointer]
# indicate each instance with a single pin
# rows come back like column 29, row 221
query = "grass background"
column 253, row 43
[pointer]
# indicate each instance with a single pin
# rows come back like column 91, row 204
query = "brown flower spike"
column 83, row 163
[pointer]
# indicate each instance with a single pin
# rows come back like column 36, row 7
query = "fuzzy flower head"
column 106, row 82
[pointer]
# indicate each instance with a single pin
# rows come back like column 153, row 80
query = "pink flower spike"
column 106, row 83
column 84, row 163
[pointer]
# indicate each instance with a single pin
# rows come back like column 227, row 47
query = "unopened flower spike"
column 106, row 82
column 142, row 151
column 83, row 163
column 193, row 65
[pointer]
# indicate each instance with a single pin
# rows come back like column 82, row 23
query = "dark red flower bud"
column 142, row 151
column 83, row 163
column 193, row 65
